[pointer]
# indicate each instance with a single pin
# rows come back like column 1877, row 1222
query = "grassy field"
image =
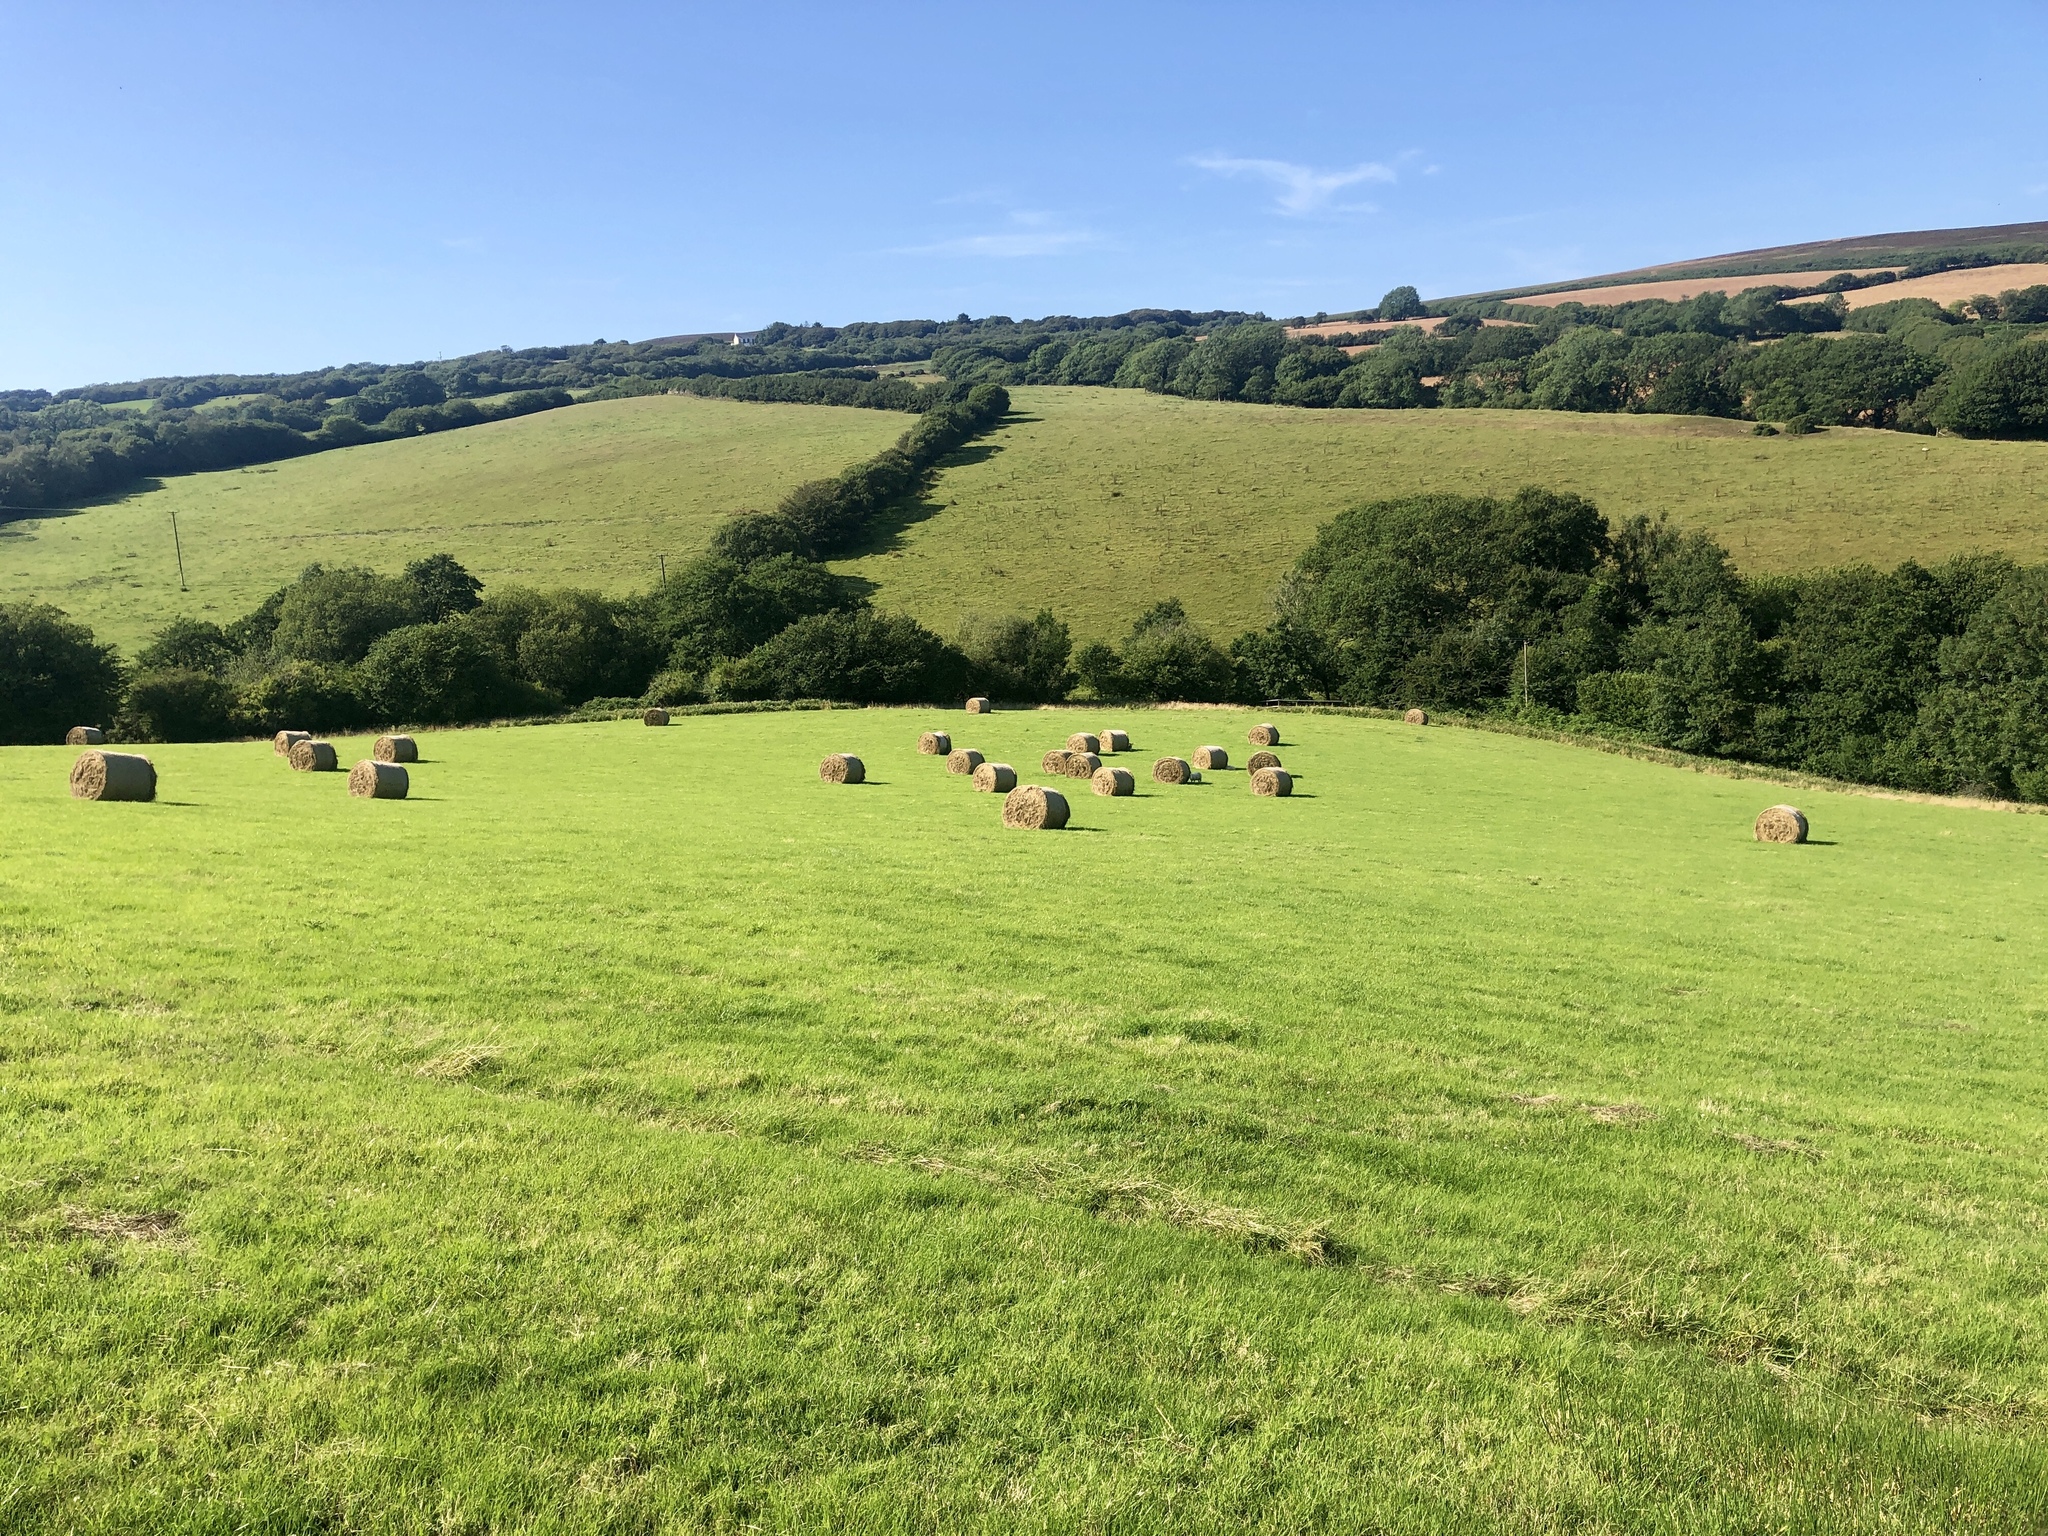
column 587, row 496
column 1100, row 502
column 1491, row 1138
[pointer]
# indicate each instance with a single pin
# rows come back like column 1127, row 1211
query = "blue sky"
column 194, row 187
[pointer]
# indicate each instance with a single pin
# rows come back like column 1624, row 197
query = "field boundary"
column 1720, row 767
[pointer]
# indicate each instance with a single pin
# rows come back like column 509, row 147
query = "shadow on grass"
column 885, row 534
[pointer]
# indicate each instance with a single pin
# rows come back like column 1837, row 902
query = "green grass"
column 587, row 496
column 630, row 1132
column 1097, row 502
column 1102, row 501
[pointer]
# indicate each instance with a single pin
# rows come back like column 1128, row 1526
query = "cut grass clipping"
column 842, row 768
column 1035, row 807
column 995, row 778
column 396, row 749
column 1781, row 824
column 1272, row 782
column 372, row 779
column 113, row 776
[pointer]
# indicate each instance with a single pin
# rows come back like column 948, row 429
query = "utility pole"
column 1525, row 674
column 664, row 568
column 179, row 546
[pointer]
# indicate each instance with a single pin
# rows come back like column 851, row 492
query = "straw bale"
column 313, row 757
column 372, row 779
column 1272, row 781
column 1115, row 741
column 934, row 743
column 655, row 716
column 1417, row 717
column 843, row 768
column 113, row 776
column 995, row 778
column 1035, row 807
column 1081, row 741
column 1260, row 760
column 1054, row 761
column 1781, row 824
column 396, row 749
column 1114, row 781
column 283, row 742
column 1263, row 735
column 1211, row 758
column 978, row 706
column 963, row 760
column 1171, row 770
column 85, row 736
column 1081, row 765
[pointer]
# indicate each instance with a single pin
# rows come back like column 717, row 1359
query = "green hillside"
column 724, row 1150
column 1101, row 501
column 587, row 496
column 1094, row 501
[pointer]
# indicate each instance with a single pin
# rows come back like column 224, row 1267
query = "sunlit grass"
column 629, row 1131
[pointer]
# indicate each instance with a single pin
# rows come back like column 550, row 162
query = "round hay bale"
column 655, row 717
column 934, row 743
column 1115, row 741
column 995, row 778
column 1081, row 741
column 283, row 742
column 1272, row 781
column 1417, row 717
column 1114, row 781
column 963, row 760
column 1211, row 758
column 1781, row 824
column 85, row 736
column 1081, row 765
column 843, row 768
column 1263, row 735
column 1054, row 761
column 375, row 779
column 980, row 707
column 311, row 756
column 1260, row 760
column 1171, row 770
column 396, row 749
column 113, row 776
column 1035, row 807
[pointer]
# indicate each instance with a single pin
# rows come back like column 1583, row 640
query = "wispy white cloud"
column 1303, row 189
column 1027, row 234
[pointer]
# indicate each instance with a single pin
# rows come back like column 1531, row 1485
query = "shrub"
column 2003, row 395
column 190, row 645
column 439, row 674
column 1627, row 700
column 302, row 696
column 338, row 614
column 861, row 656
column 1013, row 657
column 53, row 674
column 178, row 704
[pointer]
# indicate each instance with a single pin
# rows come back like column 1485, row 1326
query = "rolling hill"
column 1096, row 502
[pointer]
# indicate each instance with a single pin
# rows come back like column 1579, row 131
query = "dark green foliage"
column 1286, row 661
column 716, row 608
column 53, row 675
column 1018, row 659
column 861, row 656
column 1854, row 380
column 178, row 704
column 2004, row 394
column 1164, row 658
column 433, row 674
column 302, row 696
column 337, row 614
column 1402, row 303
column 571, row 645
column 193, row 645
column 445, row 588
column 1985, row 727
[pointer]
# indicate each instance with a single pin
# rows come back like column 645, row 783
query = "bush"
column 337, row 615
column 859, row 656
column 2003, row 395
column 178, row 704
column 717, row 608
column 302, row 696
column 1013, row 657
column 53, row 675
column 436, row 674
column 1627, row 700
column 187, row 645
